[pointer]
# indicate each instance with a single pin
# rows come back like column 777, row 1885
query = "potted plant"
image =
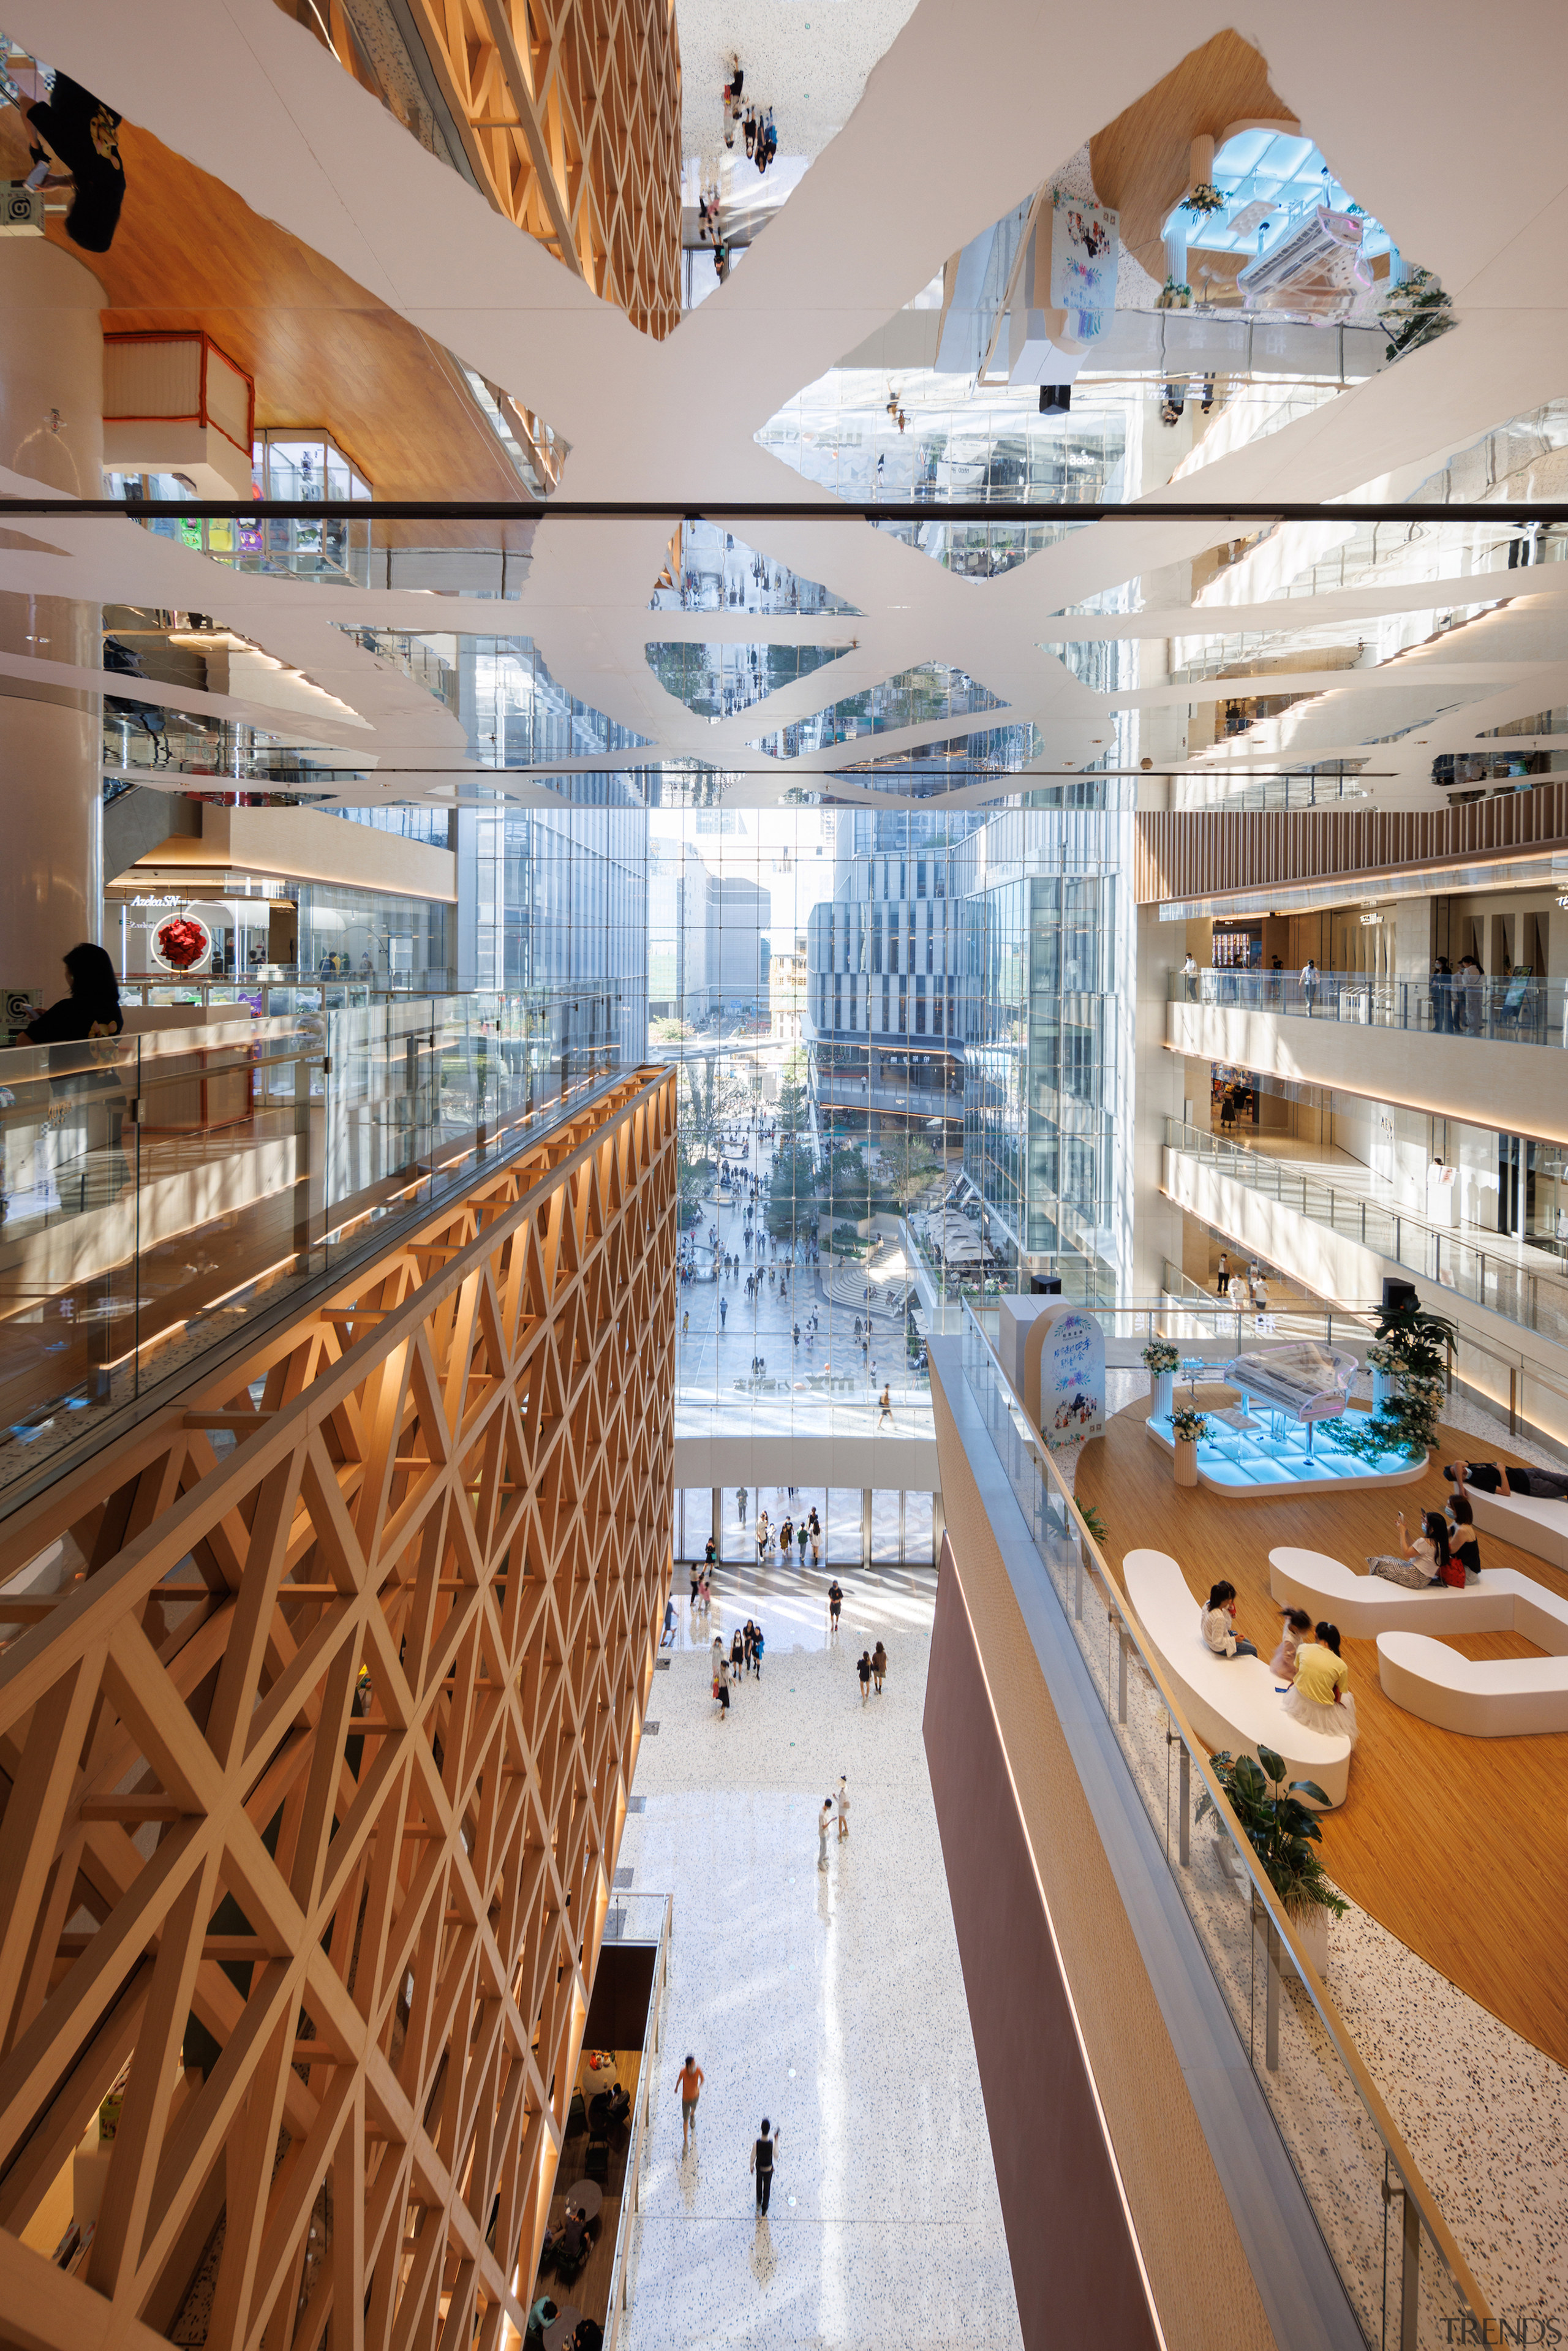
column 1161, row 1357
column 1204, row 200
column 1186, row 1427
column 1172, row 297
column 1283, row 1834
column 1409, row 1361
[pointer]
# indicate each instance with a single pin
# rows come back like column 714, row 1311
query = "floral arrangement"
column 1188, row 1426
column 182, row 942
column 1161, row 1355
column 1204, row 199
column 1172, row 297
column 1380, row 1358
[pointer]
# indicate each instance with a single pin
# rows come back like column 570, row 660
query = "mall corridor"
column 831, row 2002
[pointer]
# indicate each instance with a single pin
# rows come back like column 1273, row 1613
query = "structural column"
column 51, row 436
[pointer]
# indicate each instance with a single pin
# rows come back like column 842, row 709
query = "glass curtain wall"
column 1046, row 1017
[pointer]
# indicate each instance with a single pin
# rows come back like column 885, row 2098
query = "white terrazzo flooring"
column 830, row 2001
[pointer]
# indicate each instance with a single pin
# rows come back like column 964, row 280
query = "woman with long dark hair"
column 90, row 1009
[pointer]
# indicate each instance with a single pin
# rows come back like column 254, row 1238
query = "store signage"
column 173, row 900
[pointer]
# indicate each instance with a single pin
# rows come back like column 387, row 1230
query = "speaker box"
column 1398, row 1297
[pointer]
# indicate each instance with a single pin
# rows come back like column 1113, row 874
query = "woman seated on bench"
column 1320, row 1695
column 1218, row 1625
column 1463, row 1542
column 1415, row 1563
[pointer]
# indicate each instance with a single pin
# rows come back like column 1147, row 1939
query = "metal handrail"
column 630, row 2194
column 1507, row 1010
column 1469, row 1264
column 1263, row 1894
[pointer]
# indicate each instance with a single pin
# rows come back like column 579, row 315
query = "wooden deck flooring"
column 1459, row 1846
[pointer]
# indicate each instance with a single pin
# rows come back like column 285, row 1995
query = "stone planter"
column 1164, row 1390
column 1186, row 1461
column 1311, row 1928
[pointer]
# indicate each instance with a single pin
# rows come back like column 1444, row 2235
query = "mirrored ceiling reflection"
column 922, row 696
column 717, row 682
column 711, row 571
column 868, row 433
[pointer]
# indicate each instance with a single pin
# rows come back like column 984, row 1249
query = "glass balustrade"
column 1502, row 1279
column 1404, row 2273
column 1516, row 1009
column 166, row 1194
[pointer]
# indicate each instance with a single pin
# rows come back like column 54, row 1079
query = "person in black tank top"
column 762, row 2153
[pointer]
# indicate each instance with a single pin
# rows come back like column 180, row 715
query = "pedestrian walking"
column 694, row 1571
column 835, row 1602
column 685, row 1322
column 764, row 2149
column 723, row 1318
column 864, row 1670
column 691, row 2078
column 843, row 1808
column 721, row 1684
column 886, row 1407
column 737, row 1655
column 666, row 1638
column 756, row 1646
column 878, row 1666
column 824, row 1821
column 763, row 1537
column 802, row 1537
column 742, row 1495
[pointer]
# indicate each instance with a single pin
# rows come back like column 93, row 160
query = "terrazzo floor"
column 830, row 2001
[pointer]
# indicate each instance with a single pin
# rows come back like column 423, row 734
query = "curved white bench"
column 1484, row 1697
column 1230, row 1702
column 1364, row 1605
column 1529, row 1520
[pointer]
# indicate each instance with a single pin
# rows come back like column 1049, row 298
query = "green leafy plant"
column 1412, row 1347
column 1416, row 311
column 1279, row 1829
column 1094, row 1522
column 1204, row 199
column 1186, row 1423
column 1172, row 297
column 1161, row 1355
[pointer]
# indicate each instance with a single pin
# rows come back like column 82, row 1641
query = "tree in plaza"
column 913, row 1168
column 792, row 1199
column 706, row 1096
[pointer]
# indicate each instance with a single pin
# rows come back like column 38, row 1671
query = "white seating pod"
column 1483, row 1697
column 1529, row 1522
column 1364, row 1605
column 1230, row 1702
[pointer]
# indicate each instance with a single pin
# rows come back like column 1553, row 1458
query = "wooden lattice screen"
column 325, row 1744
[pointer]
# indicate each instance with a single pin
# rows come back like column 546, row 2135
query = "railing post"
column 1271, row 2000
column 1183, row 1806
column 1120, row 1669
column 1410, row 2277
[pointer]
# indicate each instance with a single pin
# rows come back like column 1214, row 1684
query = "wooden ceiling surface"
column 190, row 252
column 1141, row 161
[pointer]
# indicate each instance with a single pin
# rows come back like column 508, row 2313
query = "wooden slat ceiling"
column 189, row 253
column 1191, row 853
column 1140, row 162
